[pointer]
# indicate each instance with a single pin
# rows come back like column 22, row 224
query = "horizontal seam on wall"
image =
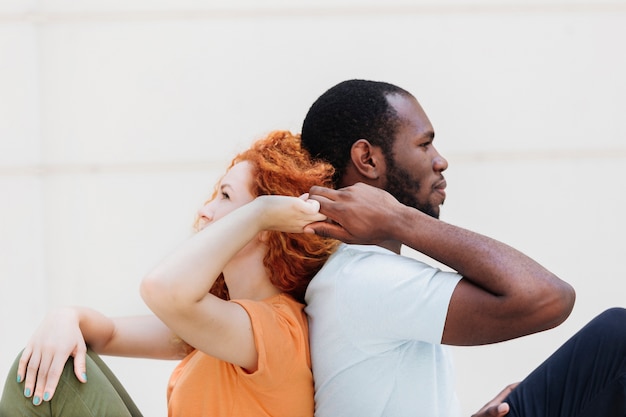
column 203, row 166
column 307, row 12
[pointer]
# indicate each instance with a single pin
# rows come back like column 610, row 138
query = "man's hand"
column 496, row 407
column 358, row 214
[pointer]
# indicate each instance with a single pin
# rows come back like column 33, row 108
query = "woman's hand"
column 287, row 214
column 359, row 213
column 41, row 364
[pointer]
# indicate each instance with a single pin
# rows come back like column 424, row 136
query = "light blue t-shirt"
column 376, row 320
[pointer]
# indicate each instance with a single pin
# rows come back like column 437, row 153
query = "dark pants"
column 586, row 377
column 102, row 396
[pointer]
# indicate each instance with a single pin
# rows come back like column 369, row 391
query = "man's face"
column 414, row 168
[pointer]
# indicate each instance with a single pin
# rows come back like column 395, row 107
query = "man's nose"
column 440, row 163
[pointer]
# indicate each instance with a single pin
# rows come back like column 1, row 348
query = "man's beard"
column 405, row 190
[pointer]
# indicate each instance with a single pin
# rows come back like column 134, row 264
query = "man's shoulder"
column 354, row 256
column 364, row 254
column 363, row 251
column 366, row 260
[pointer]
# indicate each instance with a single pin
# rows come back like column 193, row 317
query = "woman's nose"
column 205, row 214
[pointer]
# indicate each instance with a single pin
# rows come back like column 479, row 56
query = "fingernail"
column 27, row 392
column 84, row 375
column 36, row 400
column 46, row 396
column 19, row 379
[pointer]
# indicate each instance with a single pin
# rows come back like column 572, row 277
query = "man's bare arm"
column 504, row 294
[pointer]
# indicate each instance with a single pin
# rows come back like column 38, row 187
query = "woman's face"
column 233, row 192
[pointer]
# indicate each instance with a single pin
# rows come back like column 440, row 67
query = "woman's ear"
column 263, row 236
column 367, row 159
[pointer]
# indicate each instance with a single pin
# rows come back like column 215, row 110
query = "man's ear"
column 367, row 159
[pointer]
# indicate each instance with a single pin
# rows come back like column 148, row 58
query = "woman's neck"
column 247, row 278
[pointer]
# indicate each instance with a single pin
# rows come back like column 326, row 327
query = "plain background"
column 117, row 116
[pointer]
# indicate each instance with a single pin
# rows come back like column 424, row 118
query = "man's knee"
column 614, row 318
column 611, row 324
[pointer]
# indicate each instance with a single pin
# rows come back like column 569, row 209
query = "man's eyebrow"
column 430, row 135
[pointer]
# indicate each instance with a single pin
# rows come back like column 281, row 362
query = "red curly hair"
column 282, row 167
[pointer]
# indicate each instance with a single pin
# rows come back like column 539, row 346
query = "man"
column 379, row 320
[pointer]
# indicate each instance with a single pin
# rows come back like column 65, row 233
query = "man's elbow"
column 559, row 304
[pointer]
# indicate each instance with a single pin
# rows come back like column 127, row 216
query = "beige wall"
column 117, row 116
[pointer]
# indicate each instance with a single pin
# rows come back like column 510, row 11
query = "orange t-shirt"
column 202, row 385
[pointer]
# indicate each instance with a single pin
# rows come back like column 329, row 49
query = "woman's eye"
column 225, row 196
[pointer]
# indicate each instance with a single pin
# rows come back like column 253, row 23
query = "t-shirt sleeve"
column 394, row 298
column 280, row 339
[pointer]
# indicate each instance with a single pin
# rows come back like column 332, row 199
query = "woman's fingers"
column 42, row 372
column 23, row 363
column 47, row 384
column 33, row 363
column 39, row 393
column 80, row 367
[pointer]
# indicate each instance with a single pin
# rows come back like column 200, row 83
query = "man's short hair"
column 347, row 112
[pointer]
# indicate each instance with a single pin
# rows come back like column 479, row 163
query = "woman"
column 228, row 302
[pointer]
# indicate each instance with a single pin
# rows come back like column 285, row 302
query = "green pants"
column 102, row 396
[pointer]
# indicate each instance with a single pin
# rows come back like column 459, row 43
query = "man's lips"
column 440, row 187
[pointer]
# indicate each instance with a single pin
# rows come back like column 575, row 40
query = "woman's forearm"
column 133, row 336
column 187, row 275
